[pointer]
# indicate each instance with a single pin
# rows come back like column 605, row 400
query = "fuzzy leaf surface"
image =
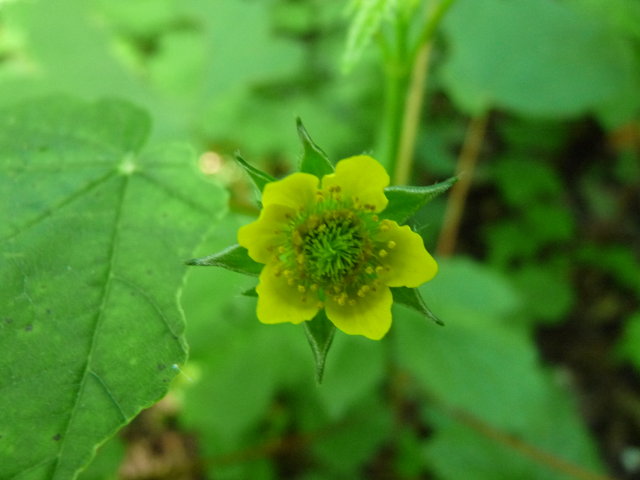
column 92, row 240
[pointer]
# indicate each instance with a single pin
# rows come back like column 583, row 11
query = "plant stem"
column 406, row 114
column 396, row 76
column 411, row 120
column 466, row 166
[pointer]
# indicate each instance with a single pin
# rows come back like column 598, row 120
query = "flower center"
column 330, row 251
column 333, row 249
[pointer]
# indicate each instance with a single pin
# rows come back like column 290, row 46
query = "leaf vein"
column 107, row 389
column 61, row 204
column 172, row 192
column 138, row 289
column 106, row 291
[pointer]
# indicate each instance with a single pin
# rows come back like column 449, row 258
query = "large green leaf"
column 484, row 365
column 563, row 63
column 93, row 238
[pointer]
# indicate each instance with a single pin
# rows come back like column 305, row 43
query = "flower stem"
column 411, row 119
column 405, row 95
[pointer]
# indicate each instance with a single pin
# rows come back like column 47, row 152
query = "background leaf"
column 564, row 63
column 483, row 335
column 90, row 328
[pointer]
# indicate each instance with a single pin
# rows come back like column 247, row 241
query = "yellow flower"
column 324, row 246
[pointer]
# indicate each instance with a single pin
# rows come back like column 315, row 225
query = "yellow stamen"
column 363, row 290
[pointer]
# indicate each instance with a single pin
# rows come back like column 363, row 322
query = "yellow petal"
column 360, row 177
column 264, row 235
column 296, row 191
column 409, row 264
column 370, row 316
column 279, row 302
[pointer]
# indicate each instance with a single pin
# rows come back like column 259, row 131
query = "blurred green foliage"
column 541, row 311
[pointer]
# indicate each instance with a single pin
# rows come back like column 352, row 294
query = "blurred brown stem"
column 457, row 199
column 536, row 454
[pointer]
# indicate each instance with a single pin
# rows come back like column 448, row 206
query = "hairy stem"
column 409, row 110
column 411, row 120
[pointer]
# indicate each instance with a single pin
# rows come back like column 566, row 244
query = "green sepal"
column 410, row 297
column 314, row 160
column 251, row 292
column 320, row 332
column 234, row 258
column 406, row 201
column 260, row 178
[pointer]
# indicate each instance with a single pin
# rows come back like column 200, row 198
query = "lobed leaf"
column 92, row 237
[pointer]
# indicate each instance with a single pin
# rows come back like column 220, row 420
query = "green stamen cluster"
column 330, row 250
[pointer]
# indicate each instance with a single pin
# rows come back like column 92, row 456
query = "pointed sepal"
column 410, row 297
column 250, row 292
column 406, row 201
column 260, row 178
column 314, row 160
column 235, row 258
column 320, row 332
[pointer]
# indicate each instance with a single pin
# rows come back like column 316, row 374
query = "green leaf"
column 355, row 441
column 92, row 238
column 486, row 453
column 406, row 201
column 320, row 333
column 235, row 258
column 314, row 160
column 251, row 292
column 260, row 178
column 563, row 64
column 411, row 298
column 508, row 389
column 355, row 370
